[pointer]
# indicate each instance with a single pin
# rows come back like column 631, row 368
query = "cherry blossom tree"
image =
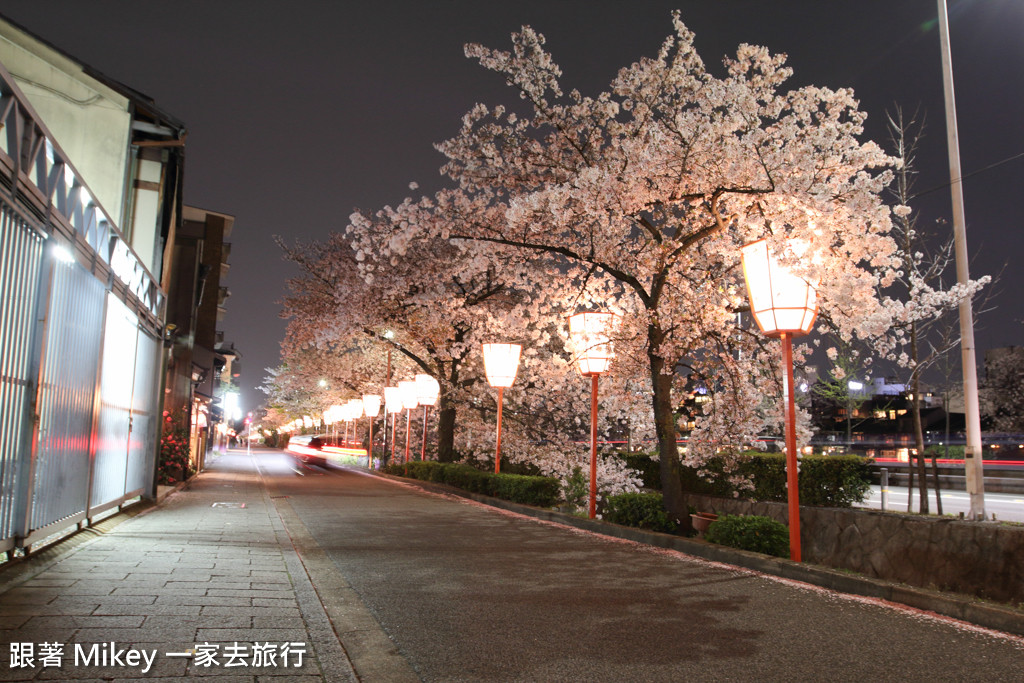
column 656, row 183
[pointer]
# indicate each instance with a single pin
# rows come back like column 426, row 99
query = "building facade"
column 90, row 190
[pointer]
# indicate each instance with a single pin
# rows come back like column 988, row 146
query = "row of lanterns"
column 783, row 304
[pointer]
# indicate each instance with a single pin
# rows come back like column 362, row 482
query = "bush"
column 518, row 488
column 939, row 452
column 827, row 481
column 751, row 532
column 643, row 510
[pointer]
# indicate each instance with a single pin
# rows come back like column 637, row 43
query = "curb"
column 954, row 605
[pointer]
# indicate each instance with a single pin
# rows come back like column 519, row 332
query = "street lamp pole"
column 784, row 305
column 589, row 333
column 371, row 408
column 427, row 391
column 972, row 410
column 501, row 361
column 409, row 401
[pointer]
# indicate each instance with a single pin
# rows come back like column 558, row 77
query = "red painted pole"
column 394, row 423
column 593, row 445
column 369, row 448
column 497, row 451
column 792, row 480
column 423, row 452
column 408, row 428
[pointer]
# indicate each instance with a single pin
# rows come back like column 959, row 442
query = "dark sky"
column 300, row 111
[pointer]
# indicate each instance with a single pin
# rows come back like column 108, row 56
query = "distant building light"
column 855, row 385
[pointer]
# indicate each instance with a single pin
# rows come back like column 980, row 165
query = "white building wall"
column 90, row 122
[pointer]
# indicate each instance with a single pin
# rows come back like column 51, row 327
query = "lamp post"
column 501, row 361
column 784, row 306
column 392, row 406
column 409, row 401
column 427, row 391
column 589, row 334
column 355, row 411
column 371, row 408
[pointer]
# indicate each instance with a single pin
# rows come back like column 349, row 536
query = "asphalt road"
column 1008, row 507
column 469, row 593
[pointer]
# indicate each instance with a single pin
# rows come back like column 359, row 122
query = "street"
column 1007, row 507
column 469, row 592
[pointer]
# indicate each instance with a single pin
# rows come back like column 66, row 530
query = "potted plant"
column 701, row 521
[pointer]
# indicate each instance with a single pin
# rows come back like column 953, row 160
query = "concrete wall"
column 984, row 559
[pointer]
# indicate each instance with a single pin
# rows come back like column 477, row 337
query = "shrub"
column 518, row 488
column 174, row 464
column 832, row 481
column 643, row 510
column 750, row 532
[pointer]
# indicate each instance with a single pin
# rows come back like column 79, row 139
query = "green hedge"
column 518, row 488
column 643, row 510
column 750, row 532
column 825, row 480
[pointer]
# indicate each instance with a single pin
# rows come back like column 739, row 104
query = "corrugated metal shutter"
column 21, row 255
column 67, row 398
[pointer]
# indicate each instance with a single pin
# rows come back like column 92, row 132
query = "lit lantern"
column 781, row 302
column 371, row 405
column 427, row 392
column 501, row 362
column 409, row 401
column 589, row 333
column 392, row 400
column 371, row 408
column 407, row 390
column 392, row 406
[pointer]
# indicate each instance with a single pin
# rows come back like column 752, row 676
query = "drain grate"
column 228, row 505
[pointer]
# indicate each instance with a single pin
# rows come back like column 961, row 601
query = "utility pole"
column 972, row 451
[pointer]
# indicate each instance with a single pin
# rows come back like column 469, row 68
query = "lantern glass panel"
column 781, row 302
column 355, row 405
column 409, row 395
column 393, row 399
column 427, row 390
column 501, row 362
column 589, row 333
column 371, row 405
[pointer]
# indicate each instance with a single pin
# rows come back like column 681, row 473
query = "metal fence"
column 80, row 349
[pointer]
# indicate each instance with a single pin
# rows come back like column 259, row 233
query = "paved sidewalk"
column 211, row 571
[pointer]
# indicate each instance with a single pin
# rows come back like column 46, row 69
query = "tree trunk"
column 446, row 431
column 668, row 451
column 915, row 410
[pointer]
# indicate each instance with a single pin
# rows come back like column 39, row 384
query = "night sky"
column 301, row 111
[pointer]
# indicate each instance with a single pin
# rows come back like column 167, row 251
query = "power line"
column 964, row 177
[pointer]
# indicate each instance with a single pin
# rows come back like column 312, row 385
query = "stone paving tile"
column 204, row 600
column 252, row 611
column 210, row 585
column 13, row 621
column 32, row 610
column 86, row 621
column 193, row 589
column 253, row 593
column 149, row 610
column 273, row 602
column 97, row 600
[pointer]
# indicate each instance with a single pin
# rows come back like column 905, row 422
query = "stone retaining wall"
column 985, row 559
